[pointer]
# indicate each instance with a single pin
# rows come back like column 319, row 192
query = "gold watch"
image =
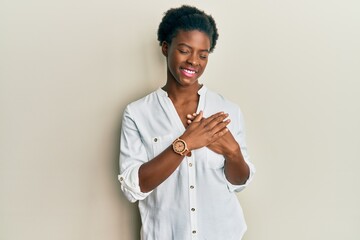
column 180, row 147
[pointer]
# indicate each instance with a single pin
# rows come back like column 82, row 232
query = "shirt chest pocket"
column 160, row 143
column 214, row 160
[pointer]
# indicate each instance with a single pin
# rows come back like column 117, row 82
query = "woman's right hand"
column 203, row 131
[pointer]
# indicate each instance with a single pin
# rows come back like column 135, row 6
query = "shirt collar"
column 163, row 93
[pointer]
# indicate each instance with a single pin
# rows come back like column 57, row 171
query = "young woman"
column 183, row 152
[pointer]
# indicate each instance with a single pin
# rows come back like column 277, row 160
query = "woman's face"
column 187, row 56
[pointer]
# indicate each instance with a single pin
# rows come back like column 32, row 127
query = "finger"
column 198, row 117
column 212, row 117
column 190, row 116
column 217, row 120
column 220, row 134
column 220, row 126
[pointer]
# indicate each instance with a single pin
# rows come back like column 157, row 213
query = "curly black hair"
column 187, row 18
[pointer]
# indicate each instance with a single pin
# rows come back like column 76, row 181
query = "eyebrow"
column 184, row 44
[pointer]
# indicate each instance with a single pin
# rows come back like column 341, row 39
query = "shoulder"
column 217, row 102
column 218, row 99
column 144, row 103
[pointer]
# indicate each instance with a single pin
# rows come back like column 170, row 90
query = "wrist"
column 180, row 147
column 233, row 153
column 188, row 141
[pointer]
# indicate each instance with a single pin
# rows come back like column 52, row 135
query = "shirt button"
column 190, row 164
column 194, row 232
column 192, row 187
column 193, row 209
column 121, row 179
column 155, row 139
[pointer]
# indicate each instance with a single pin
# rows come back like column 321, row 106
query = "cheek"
column 173, row 63
column 203, row 66
column 172, row 67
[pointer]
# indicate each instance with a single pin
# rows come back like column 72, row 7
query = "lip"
column 188, row 72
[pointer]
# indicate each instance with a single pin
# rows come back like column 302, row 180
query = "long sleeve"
column 132, row 156
column 240, row 138
column 206, row 203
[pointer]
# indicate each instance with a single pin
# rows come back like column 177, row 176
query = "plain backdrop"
column 68, row 68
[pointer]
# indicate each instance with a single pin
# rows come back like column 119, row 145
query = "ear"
column 164, row 48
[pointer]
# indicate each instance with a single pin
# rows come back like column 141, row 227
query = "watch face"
column 179, row 146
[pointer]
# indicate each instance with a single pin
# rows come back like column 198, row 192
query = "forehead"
column 193, row 38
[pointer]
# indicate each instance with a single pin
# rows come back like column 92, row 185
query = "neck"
column 181, row 93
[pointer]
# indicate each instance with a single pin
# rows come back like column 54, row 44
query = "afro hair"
column 187, row 18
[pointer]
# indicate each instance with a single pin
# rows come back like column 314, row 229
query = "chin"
column 188, row 82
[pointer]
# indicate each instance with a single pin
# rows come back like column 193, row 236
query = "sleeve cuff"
column 130, row 185
column 239, row 188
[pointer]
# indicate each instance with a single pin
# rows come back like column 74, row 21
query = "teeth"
column 189, row 71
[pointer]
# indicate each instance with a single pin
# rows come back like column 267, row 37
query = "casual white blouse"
column 196, row 201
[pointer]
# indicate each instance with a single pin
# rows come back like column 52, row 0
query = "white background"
column 68, row 69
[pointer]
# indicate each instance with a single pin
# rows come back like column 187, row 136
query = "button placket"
column 192, row 196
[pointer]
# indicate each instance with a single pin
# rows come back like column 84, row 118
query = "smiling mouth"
column 188, row 71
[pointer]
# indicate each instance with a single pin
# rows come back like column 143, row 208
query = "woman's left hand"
column 236, row 169
column 225, row 145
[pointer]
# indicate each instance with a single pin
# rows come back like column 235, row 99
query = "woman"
column 183, row 154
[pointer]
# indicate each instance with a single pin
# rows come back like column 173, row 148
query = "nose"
column 192, row 60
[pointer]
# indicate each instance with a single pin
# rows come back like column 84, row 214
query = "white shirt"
column 196, row 201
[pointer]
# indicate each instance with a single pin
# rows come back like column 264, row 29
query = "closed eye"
column 183, row 51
